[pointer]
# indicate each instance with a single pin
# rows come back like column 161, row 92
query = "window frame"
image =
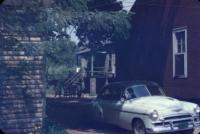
column 175, row 51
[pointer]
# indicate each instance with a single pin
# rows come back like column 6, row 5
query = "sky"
column 127, row 4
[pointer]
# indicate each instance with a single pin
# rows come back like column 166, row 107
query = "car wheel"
column 138, row 127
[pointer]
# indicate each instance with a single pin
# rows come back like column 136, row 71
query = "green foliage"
column 106, row 24
column 60, row 56
column 98, row 23
column 31, row 6
column 102, row 28
column 104, row 5
column 55, row 23
column 72, row 5
column 61, row 15
column 31, row 17
column 20, row 19
column 50, row 23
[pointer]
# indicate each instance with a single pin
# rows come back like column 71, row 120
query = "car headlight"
column 197, row 110
column 154, row 115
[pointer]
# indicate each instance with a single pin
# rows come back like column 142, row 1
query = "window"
column 180, row 53
column 110, row 93
column 105, row 94
column 129, row 93
column 136, row 91
column 116, row 93
column 155, row 90
column 141, row 91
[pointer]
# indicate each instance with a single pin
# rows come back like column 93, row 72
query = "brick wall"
column 22, row 96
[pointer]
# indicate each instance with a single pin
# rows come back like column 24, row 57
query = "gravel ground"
column 74, row 117
column 115, row 131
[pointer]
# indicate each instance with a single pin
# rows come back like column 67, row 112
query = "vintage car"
column 142, row 107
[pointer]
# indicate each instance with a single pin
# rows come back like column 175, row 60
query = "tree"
column 20, row 19
column 72, row 5
column 98, row 23
column 61, row 15
column 30, row 18
column 103, row 28
column 33, row 17
column 105, row 23
column 60, row 57
column 104, row 5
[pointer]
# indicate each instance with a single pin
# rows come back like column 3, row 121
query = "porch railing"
column 100, row 72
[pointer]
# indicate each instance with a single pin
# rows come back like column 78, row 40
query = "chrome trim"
column 174, row 124
column 165, row 130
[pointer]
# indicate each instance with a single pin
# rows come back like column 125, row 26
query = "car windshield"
column 155, row 90
column 142, row 91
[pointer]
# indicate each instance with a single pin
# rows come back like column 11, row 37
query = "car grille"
column 179, row 120
column 179, row 117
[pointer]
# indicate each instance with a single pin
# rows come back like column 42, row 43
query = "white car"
column 142, row 107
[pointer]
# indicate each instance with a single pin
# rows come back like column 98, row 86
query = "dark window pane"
column 140, row 91
column 115, row 93
column 179, row 65
column 179, row 47
column 180, row 38
column 129, row 93
column 105, row 93
column 154, row 90
column 110, row 93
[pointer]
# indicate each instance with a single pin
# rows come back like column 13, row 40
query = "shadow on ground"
column 74, row 116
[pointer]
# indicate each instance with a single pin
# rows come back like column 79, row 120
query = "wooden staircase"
column 72, row 86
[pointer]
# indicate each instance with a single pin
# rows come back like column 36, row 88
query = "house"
column 164, row 46
column 22, row 94
column 96, row 68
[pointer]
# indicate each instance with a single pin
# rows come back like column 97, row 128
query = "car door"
column 107, row 104
column 109, row 99
column 125, row 115
column 104, row 103
column 115, row 104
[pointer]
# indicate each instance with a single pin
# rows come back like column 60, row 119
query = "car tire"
column 139, row 127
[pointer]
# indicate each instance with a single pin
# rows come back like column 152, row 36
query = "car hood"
column 162, row 104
